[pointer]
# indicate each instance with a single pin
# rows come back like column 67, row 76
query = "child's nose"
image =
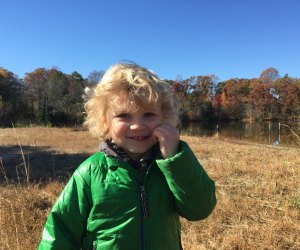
column 137, row 124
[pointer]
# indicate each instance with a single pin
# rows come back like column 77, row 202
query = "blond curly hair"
column 135, row 83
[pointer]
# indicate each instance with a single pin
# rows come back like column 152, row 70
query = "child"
column 129, row 195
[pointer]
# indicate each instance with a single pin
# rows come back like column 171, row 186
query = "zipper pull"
column 94, row 245
column 144, row 201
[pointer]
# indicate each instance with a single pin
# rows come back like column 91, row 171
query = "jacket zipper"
column 144, row 201
column 144, row 213
column 144, row 208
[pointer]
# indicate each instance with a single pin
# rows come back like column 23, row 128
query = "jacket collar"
column 116, row 156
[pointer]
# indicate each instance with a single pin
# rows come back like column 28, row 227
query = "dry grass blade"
column 15, row 225
column 292, row 132
column 26, row 168
column 3, row 170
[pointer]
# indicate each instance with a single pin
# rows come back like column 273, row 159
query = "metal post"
column 279, row 132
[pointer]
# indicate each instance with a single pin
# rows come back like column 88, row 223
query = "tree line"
column 43, row 96
column 52, row 97
column 268, row 97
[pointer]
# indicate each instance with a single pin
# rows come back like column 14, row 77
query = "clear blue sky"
column 228, row 38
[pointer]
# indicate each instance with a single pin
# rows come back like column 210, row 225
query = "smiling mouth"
column 138, row 138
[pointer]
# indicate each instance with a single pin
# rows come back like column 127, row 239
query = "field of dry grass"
column 258, row 189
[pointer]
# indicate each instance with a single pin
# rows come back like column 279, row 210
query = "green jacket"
column 104, row 206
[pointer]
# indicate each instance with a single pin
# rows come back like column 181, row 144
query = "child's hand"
column 168, row 138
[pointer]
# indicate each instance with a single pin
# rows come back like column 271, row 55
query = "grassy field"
column 258, row 189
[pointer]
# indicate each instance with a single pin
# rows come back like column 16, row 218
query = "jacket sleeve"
column 193, row 190
column 66, row 224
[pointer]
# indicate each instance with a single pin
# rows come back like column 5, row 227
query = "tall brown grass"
column 258, row 189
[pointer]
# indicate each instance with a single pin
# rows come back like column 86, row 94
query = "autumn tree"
column 180, row 89
column 12, row 107
column 262, row 101
column 74, row 97
column 217, row 105
column 200, row 91
column 269, row 75
column 36, row 93
column 94, row 77
column 288, row 97
column 56, row 99
column 235, row 98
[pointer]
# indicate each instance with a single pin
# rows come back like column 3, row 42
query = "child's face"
column 133, row 130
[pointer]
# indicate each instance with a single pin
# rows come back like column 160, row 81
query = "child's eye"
column 122, row 115
column 149, row 114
